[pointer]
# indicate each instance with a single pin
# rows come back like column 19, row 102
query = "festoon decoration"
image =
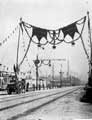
column 41, row 36
column 54, row 35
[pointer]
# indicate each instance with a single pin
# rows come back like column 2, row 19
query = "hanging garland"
column 27, row 47
column 54, row 35
column 26, row 56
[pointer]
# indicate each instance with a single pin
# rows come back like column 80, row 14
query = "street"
column 54, row 104
column 45, row 60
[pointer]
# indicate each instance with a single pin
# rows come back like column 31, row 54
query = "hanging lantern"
column 73, row 43
column 49, row 63
column 39, row 45
column 42, row 47
column 54, row 46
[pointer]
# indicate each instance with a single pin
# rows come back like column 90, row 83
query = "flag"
column 39, row 33
column 70, row 30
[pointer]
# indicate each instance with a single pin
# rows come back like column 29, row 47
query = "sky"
column 49, row 14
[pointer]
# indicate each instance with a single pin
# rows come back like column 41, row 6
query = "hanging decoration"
column 26, row 56
column 9, row 36
column 47, row 36
column 39, row 32
column 54, row 35
column 27, row 47
column 70, row 30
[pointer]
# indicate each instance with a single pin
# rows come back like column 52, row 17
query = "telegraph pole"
column 68, row 71
column 53, row 76
column 61, row 73
column 53, row 72
column 60, row 78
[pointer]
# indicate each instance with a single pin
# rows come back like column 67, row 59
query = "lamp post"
column 38, row 64
column 60, row 78
column 61, row 75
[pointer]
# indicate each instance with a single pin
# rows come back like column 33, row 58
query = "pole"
column 53, row 72
column 18, row 49
column 37, row 75
column 17, row 67
column 68, row 71
column 60, row 78
column 52, row 75
column 90, row 64
column 87, row 97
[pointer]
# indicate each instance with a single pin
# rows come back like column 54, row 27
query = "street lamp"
column 38, row 63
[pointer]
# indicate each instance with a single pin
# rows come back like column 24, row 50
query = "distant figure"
column 23, row 85
column 39, row 87
column 27, row 87
column 43, row 86
column 33, row 87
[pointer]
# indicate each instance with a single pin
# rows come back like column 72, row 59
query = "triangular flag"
column 39, row 33
column 70, row 30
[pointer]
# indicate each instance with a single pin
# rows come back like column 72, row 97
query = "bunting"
column 39, row 33
column 8, row 37
column 54, row 37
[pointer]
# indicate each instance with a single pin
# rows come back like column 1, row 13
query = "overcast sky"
column 50, row 14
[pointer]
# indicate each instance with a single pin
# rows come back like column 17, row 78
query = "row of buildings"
column 43, row 82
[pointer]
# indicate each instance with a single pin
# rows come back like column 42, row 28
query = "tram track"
column 23, row 95
column 17, row 97
column 35, row 99
column 53, row 99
